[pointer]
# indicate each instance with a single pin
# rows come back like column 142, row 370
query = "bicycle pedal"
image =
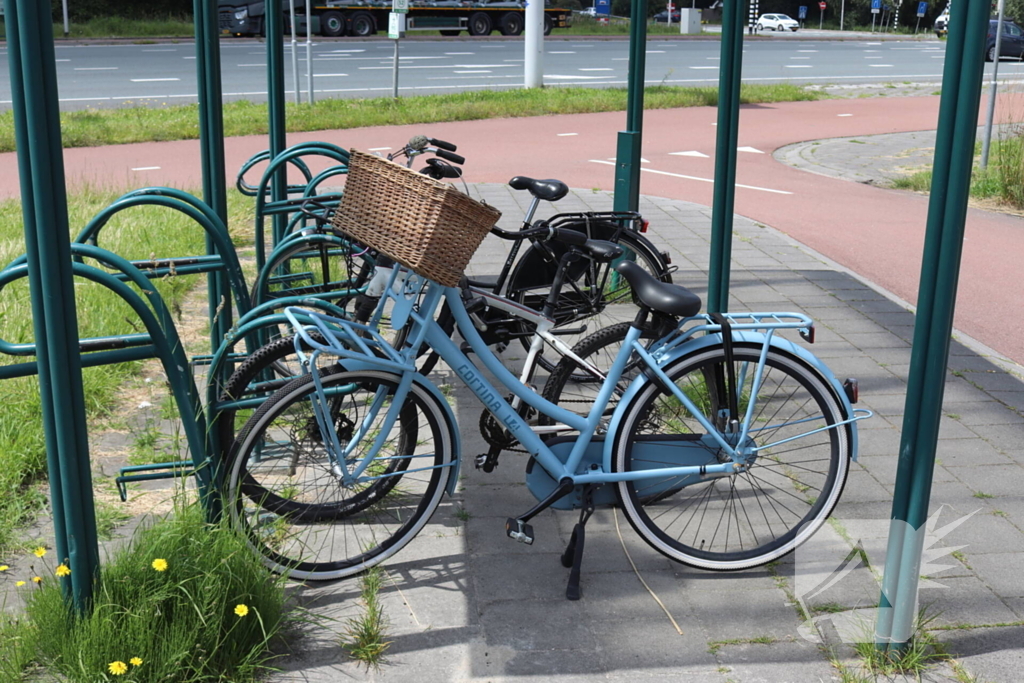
column 483, row 462
column 518, row 530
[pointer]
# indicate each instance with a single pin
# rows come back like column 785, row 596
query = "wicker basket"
column 426, row 225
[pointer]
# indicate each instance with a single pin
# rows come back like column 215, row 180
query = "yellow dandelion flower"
column 63, row 570
column 135, row 661
column 19, row 584
column 118, row 668
column 37, row 579
column 160, row 565
column 39, row 552
column 3, row 567
column 241, row 610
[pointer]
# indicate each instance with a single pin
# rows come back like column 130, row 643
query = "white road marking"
column 797, row 66
column 147, row 168
column 655, row 52
column 95, row 68
column 329, row 75
column 597, row 69
column 690, row 177
column 842, row 115
column 473, row 72
column 378, row 149
column 352, row 50
column 560, row 53
column 566, row 135
column 882, row 66
column 800, row 58
column 159, row 50
column 806, row 50
column 460, row 53
column 752, row 150
column 153, row 80
column 691, row 153
column 703, row 67
column 559, row 77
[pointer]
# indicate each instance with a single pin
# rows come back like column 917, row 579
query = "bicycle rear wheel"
column 594, row 296
column 286, row 494
column 757, row 515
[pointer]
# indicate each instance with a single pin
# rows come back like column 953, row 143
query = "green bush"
column 185, row 601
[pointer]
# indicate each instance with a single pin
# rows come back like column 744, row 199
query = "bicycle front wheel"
column 793, row 474
column 285, row 487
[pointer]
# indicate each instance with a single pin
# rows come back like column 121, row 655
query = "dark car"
column 662, row 16
column 1011, row 44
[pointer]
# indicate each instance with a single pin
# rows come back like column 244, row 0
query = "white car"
column 778, row 22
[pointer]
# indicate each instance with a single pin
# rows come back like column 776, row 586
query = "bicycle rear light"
column 644, row 224
column 852, row 388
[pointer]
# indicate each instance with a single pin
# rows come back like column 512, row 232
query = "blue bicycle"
column 728, row 449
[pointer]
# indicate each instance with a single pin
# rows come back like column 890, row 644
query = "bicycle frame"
column 412, row 290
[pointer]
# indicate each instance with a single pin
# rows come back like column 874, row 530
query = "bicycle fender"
column 756, row 338
column 355, row 365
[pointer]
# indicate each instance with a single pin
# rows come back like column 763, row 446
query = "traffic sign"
column 396, row 26
column 801, row 12
column 876, row 6
column 922, row 8
column 821, row 5
column 400, row 6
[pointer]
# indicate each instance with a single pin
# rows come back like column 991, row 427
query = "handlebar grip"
column 449, row 156
column 442, row 144
column 571, row 237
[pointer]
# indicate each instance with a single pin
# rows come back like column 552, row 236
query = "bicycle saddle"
column 660, row 296
column 548, row 190
column 601, row 250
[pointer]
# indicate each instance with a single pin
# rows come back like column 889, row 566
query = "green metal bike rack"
column 947, row 216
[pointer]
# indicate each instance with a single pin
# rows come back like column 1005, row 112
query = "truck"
column 365, row 17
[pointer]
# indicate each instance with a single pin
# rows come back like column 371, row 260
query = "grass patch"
column 921, row 651
column 365, row 637
column 1002, row 180
column 94, row 127
column 210, row 614
column 137, row 233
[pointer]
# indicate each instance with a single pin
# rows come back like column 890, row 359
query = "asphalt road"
column 115, row 75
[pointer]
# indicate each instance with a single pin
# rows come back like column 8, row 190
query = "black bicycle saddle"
column 663, row 297
column 548, row 190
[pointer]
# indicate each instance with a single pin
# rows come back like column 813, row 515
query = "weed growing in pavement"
column 921, row 651
column 365, row 636
column 185, row 601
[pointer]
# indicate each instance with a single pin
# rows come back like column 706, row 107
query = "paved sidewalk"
column 466, row 603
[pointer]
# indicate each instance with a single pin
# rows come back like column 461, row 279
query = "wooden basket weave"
column 424, row 224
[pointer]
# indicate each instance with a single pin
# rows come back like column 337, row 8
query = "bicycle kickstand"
column 573, row 555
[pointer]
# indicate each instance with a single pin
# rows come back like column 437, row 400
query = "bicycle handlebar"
column 443, row 145
column 449, row 156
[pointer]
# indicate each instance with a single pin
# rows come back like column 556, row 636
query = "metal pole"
column 533, row 45
column 309, row 52
column 628, row 148
column 51, row 286
column 295, row 53
column 947, row 213
column 67, row 24
column 842, row 14
column 394, row 73
column 725, row 155
column 986, row 141
column 275, row 112
column 821, row 19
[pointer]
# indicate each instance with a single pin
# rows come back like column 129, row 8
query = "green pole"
column 730, row 71
column 947, row 215
column 51, row 285
column 211, row 136
column 628, row 150
column 275, row 109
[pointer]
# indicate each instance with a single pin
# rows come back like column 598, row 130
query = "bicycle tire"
column 359, row 527
column 572, row 388
column 532, row 276
column 776, row 482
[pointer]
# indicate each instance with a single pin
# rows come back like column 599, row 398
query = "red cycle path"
column 874, row 232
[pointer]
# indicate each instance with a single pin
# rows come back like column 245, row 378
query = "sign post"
column 801, row 14
column 922, row 7
column 670, row 7
column 876, row 7
column 821, row 17
column 396, row 31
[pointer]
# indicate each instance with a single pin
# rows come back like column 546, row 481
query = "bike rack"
column 160, row 341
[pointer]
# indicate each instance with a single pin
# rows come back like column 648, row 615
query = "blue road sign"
column 922, row 7
column 876, row 4
column 603, row 7
column 802, row 12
